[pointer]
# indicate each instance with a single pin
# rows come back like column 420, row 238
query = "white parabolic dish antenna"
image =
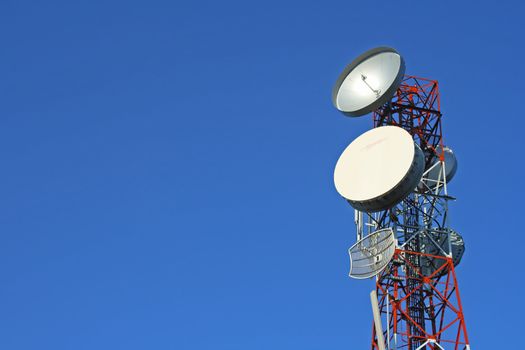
column 379, row 169
column 368, row 82
column 370, row 255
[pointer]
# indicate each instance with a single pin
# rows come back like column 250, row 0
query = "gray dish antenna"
column 370, row 255
column 433, row 176
column 368, row 82
column 437, row 243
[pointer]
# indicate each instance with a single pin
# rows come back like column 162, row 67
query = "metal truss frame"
column 413, row 297
column 441, row 326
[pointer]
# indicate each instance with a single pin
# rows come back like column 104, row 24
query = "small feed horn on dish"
column 395, row 177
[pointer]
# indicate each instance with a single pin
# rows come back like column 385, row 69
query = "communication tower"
column 395, row 176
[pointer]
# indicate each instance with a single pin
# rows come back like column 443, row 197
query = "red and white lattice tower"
column 418, row 294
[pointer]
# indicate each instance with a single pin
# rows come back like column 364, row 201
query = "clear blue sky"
column 167, row 169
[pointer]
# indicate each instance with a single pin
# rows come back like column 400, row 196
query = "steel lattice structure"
column 418, row 294
column 423, row 311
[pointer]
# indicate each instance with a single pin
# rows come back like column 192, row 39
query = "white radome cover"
column 374, row 163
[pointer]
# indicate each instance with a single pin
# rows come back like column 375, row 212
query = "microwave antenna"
column 396, row 178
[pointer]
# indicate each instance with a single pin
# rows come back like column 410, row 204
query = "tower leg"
column 439, row 323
